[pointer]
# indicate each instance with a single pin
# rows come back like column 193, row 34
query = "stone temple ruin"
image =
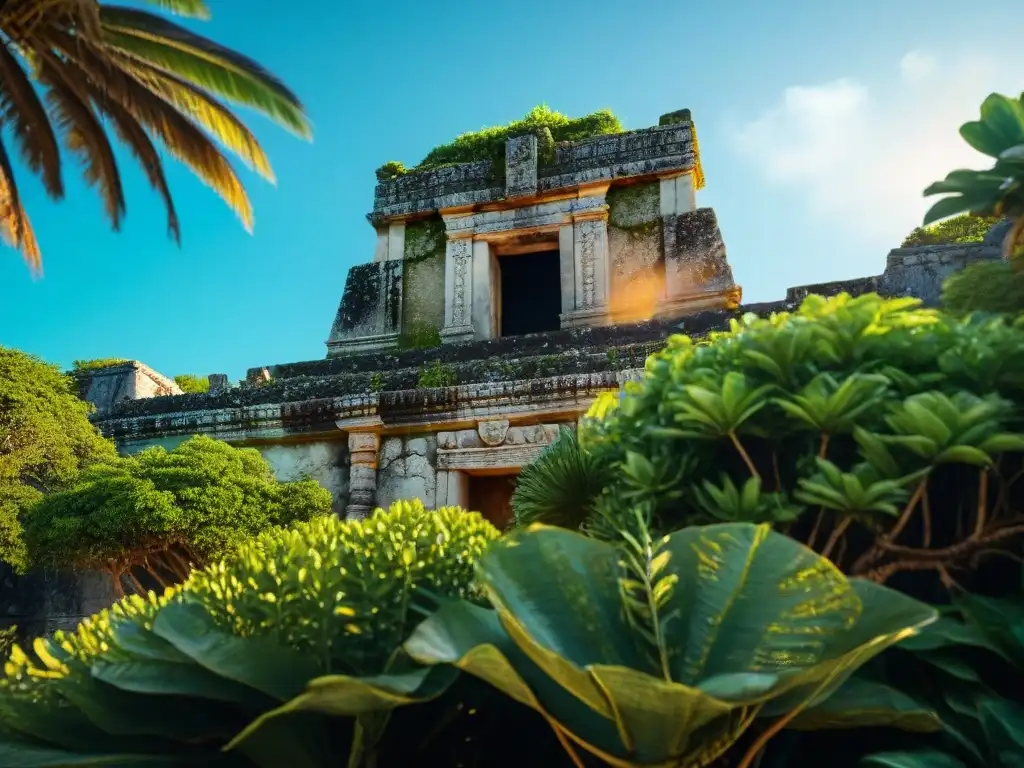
column 499, row 303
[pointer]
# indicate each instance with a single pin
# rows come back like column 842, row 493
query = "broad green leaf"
column 14, row 755
column 257, row 662
column 165, row 678
column 861, row 703
column 923, row 759
column 1005, row 118
column 1000, row 622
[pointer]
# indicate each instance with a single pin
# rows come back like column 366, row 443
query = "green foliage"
column 84, row 366
column 45, row 439
column 419, row 337
column 964, row 228
column 225, row 660
column 437, row 374
column 7, row 636
column 897, row 429
column 663, row 653
column 969, row 668
column 392, row 169
column 991, row 286
column 158, row 511
column 549, row 489
column 489, row 143
column 377, row 382
column 998, row 191
column 192, row 385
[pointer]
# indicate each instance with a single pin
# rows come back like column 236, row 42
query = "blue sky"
column 819, row 125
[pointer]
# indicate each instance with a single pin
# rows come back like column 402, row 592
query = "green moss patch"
column 423, row 284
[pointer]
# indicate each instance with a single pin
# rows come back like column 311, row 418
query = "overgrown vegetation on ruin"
column 192, row 385
column 489, row 143
column 964, row 228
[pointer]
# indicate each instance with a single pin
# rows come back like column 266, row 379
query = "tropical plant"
column 989, row 286
column 964, row 228
column 998, row 191
column 158, row 513
column 883, row 435
column 665, row 653
column 969, row 668
column 151, row 80
column 176, row 679
column 192, row 384
column 7, row 635
column 549, row 489
column 45, row 440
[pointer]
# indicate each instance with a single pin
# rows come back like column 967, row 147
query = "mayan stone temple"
column 500, row 300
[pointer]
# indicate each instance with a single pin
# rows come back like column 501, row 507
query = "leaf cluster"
column 991, row 286
column 159, row 512
column 964, row 228
column 197, row 675
column 46, row 438
column 886, row 436
column 192, row 385
column 489, row 143
column 998, row 191
column 79, row 72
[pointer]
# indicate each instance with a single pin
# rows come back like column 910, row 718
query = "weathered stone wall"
column 423, row 278
column 406, row 470
column 43, row 602
column 326, row 461
column 695, row 258
column 106, row 387
column 921, row 271
column 635, row 243
column 370, row 312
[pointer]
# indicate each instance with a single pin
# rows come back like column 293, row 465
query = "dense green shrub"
column 964, row 228
column 991, row 286
column 192, row 385
column 437, row 374
column 45, row 439
column 890, row 433
column 159, row 512
column 489, row 143
column 84, row 366
column 178, row 677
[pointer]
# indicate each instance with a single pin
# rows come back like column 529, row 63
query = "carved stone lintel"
column 362, row 481
column 493, row 432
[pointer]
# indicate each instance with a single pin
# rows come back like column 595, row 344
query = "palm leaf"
column 218, row 120
column 84, row 136
column 204, row 63
column 194, row 9
column 16, row 228
column 134, row 136
column 23, row 110
column 180, row 136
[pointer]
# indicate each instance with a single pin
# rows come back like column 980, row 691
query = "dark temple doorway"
column 531, row 293
column 491, row 496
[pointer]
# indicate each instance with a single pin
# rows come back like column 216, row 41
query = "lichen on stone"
column 423, row 284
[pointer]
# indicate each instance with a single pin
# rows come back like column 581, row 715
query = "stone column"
column 362, row 479
column 458, row 290
column 590, row 269
column 678, row 195
column 483, row 315
column 521, row 166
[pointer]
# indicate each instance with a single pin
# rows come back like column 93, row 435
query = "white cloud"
column 863, row 153
column 916, row 66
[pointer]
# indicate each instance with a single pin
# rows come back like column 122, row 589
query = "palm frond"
column 202, row 62
column 193, row 9
column 134, row 136
column 84, row 135
column 199, row 105
column 14, row 224
column 176, row 132
column 23, row 110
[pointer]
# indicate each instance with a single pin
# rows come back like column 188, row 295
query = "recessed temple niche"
column 491, row 496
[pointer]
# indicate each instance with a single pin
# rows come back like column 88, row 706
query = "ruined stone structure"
column 498, row 304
